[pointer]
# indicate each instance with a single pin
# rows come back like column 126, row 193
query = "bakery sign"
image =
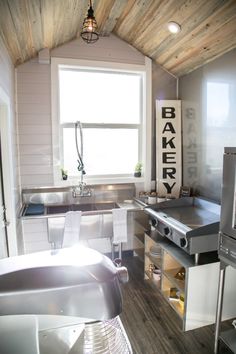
column 168, row 143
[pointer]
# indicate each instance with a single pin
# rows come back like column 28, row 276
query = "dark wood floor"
column 152, row 325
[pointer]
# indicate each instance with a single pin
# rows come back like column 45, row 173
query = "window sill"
column 94, row 181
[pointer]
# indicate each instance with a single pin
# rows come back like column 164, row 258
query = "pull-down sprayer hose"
column 79, row 151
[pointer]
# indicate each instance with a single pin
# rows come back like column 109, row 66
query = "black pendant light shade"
column 89, row 31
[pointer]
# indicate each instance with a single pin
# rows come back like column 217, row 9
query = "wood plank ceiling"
column 208, row 27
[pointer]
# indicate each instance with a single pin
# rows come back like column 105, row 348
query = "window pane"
column 99, row 97
column 106, row 151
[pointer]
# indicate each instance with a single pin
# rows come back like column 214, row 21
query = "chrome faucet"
column 82, row 190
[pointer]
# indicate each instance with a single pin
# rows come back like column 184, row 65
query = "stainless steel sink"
column 106, row 206
column 83, row 207
column 58, row 209
column 62, row 209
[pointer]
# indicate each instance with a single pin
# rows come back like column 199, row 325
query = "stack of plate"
column 155, row 251
column 156, row 274
column 234, row 323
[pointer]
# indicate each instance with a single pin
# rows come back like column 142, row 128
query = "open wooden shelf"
column 170, row 274
column 149, row 275
column 174, row 303
column 154, row 260
column 194, row 297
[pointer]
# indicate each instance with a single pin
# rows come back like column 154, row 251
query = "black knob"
column 154, row 222
column 167, row 231
column 183, row 242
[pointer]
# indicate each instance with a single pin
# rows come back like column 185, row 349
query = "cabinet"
column 35, row 235
column 95, row 232
column 191, row 290
column 227, row 248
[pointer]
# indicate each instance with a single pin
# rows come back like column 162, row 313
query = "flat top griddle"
column 192, row 223
column 192, row 212
column 191, row 216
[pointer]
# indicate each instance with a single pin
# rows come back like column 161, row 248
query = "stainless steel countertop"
column 130, row 205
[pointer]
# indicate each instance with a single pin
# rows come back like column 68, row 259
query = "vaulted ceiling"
column 208, row 27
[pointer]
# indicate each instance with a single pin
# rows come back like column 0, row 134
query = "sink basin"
column 106, row 206
column 83, row 207
column 58, row 209
column 62, row 209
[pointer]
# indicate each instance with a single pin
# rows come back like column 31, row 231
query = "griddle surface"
column 191, row 216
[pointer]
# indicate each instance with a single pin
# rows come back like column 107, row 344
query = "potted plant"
column 138, row 169
column 64, row 174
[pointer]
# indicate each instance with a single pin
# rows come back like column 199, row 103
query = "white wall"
column 209, row 103
column 106, row 49
column 7, row 84
column 34, row 102
column 34, row 119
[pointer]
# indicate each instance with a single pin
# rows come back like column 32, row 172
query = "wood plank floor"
column 152, row 325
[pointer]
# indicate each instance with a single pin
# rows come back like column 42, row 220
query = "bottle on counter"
column 152, row 198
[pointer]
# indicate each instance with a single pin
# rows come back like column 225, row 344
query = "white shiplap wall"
column 34, row 103
column 106, row 49
column 7, row 83
column 34, row 120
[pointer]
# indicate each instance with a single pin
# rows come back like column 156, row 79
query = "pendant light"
column 89, row 31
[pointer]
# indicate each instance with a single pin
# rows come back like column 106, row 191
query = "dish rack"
column 102, row 337
column 107, row 337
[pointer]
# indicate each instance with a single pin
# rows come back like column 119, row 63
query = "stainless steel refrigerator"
column 227, row 245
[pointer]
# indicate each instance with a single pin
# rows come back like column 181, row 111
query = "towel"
column 72, row 228
column 34, row 209
column 119, row 225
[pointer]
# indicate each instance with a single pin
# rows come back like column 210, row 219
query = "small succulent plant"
column 64, row 173
column 138, row 167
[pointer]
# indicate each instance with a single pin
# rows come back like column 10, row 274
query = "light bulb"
column 174, row 27
column 90, row 26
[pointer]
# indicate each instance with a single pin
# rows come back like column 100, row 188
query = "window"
column 109, row 102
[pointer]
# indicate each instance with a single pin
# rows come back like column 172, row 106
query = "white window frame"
column 8, row 170
column 145, row 153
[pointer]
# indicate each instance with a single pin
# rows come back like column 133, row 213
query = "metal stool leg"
column 219, row 306
column 113, row 249
column 120, row 250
